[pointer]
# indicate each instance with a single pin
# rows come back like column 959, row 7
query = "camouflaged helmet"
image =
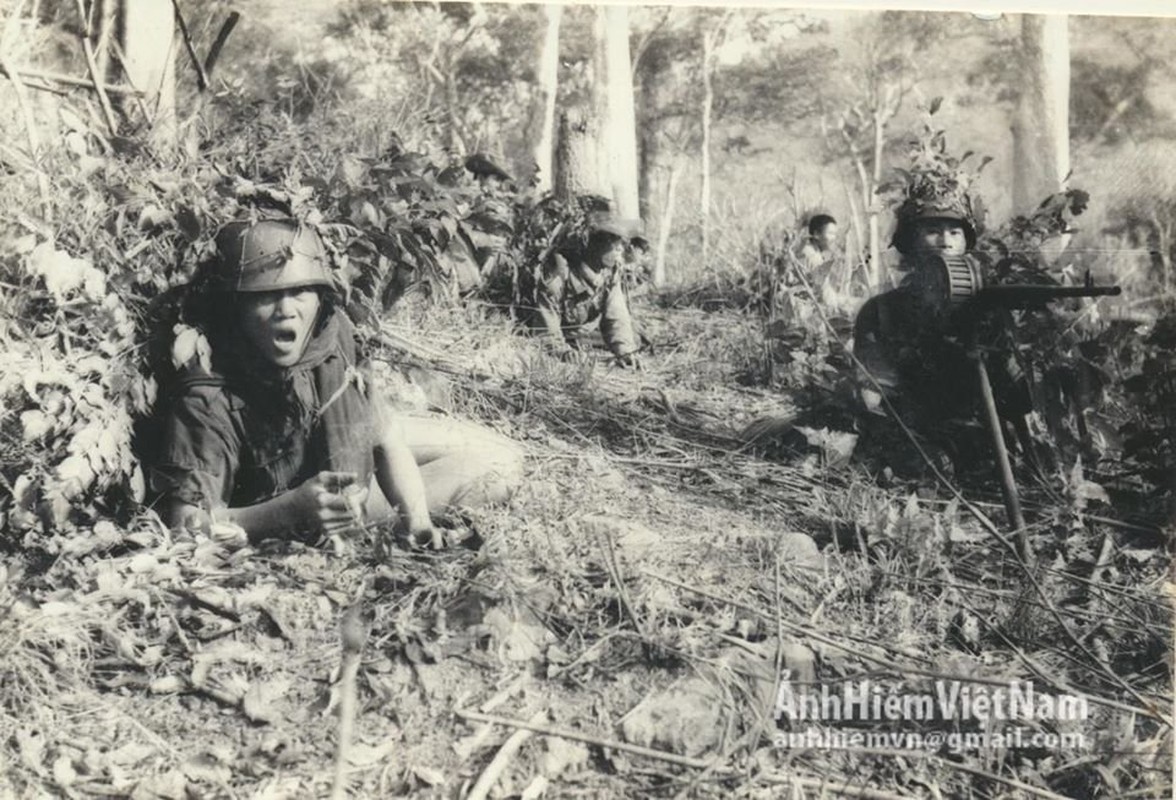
column 913, row 211
column 270, row 255
column 622, row 228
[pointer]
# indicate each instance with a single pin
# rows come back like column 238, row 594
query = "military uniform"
column 921, row 355
column 264, row 428
column 576, row 294
column 247, row 432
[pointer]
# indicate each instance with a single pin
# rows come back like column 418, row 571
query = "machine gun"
column 953, row 289
column 956, row 283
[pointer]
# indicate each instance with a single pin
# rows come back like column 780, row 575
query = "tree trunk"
column 876, row 273
column 577, row 170
column 1041, row 132
column 148, row 44
column 666, row 223
column 652, row 77
column 621, row 137
column 708, row 103
column 548, row 88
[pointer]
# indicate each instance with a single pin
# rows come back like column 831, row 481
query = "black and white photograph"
column 505, row 400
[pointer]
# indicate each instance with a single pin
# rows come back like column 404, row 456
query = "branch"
column 66, row 80
column 824, row 784
column 201, row 78
column 221, row 37
column 647, row 38
column 103, row 99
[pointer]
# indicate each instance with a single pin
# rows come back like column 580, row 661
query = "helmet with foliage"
column 915, row 210
column 270, row 255
column 602, row 222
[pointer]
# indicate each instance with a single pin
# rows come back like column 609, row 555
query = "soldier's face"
column 279, row 323
column 827, row 236
column 944, row 237
column 610, row 250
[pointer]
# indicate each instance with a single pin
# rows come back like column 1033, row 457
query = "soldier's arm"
column 546, row 317
column 870, row 345
column 397, row 473
column 616, row 321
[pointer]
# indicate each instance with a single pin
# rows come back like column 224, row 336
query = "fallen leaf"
column 32, row 750
column 63, row 772
column 429, row 775
column 260, row 699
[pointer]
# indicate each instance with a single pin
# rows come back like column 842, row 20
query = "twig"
column 67, row 80
column 502, row 759
column 901, row 668
column 353, row 633
column 201, row 78
column 674, row 758
column 562, row 733
column 614, row 572
column 222, row 36
column 103, row 99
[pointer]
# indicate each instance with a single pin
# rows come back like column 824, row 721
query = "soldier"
column 818, row 248
column 284, row 436
column 919, row 354
column 582, row 288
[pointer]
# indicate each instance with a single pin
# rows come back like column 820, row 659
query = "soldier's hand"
column 630, row 361
column 327, row 502
column 571, row 355
column 428, row 538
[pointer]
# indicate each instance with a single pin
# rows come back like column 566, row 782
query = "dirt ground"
column 644, row 594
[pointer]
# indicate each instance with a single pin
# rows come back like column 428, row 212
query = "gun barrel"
column 1013, row 296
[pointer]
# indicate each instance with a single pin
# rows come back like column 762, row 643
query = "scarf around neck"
column 321, row 397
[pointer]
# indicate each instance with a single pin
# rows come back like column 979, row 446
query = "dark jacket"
column 247, row 432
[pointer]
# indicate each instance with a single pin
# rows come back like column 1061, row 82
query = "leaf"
column 35, row 425
column 32, row 749
column 63, row 772
column 189, row 223
column 153, row 217
column 935, row 104
column 259, row 701
column 1089, row 490
column 63, row 274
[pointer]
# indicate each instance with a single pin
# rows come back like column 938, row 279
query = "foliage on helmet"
column 935, row 185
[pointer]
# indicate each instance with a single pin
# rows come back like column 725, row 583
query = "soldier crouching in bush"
column 580, row 288
column 283, row 435
column 919, row 353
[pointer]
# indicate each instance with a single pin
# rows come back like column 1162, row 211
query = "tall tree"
column 148, row 46
column 548, row 87
column 1041, row 128
column 712, row 36
column 613, row 92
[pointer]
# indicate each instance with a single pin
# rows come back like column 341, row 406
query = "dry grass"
column 647, row 552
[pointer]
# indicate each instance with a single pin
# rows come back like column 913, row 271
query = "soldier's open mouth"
column 285, row 337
